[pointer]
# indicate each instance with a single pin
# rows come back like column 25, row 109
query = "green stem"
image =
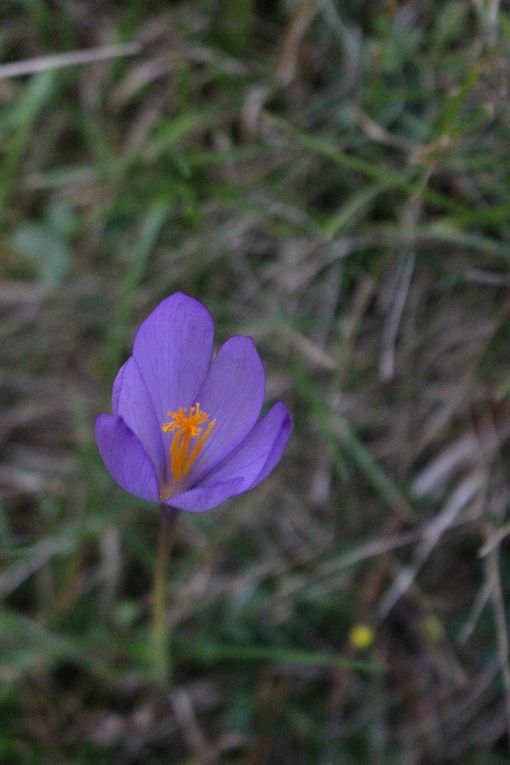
column 160, row 658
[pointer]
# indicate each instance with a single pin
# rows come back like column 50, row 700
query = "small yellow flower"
column 361, row 636
column 432, row 629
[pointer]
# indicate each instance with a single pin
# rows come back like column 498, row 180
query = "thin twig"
column 73, row 58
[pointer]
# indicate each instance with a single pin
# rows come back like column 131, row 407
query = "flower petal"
column 232, row 394
column 250, row 463
column 256, row 457
column 125, row 458
column 173, row 349
column 135, row 406
column 205, row 497
column 117, row 387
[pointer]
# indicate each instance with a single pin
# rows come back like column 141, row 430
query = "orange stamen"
column 187, row 427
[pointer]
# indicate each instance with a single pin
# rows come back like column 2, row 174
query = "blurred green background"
column 332, row 178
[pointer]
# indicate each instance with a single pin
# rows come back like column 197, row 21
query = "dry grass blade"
column 73, row 58
column 498, row 603
column 466, row 491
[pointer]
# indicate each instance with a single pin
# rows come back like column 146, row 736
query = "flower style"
column 185, row 430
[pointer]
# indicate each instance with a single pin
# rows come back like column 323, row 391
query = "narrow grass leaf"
column 207, row 652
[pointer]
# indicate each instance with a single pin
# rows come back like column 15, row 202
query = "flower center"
column 188, row 440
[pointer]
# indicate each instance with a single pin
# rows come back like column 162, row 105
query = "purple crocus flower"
column 185, row 430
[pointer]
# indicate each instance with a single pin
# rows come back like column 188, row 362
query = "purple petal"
column 254, row 459
column 251, row 462
column 117, row 387
column 173, row 349
column 205, row 497
column 232, row 394
column 135, row 406
column 125, row 458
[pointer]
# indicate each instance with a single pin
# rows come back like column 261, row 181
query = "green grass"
column 353, row 217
